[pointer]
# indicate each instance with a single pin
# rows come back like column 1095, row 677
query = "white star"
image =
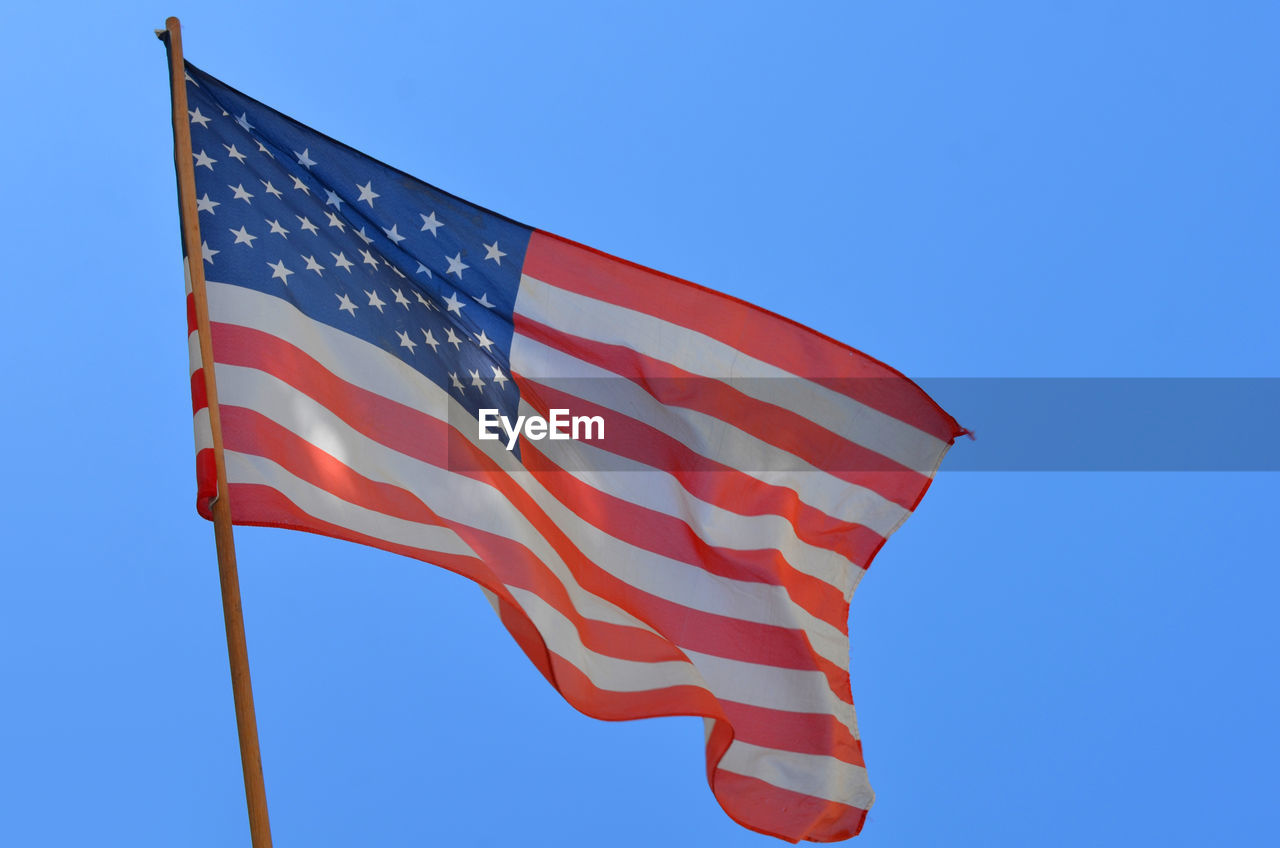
column 243, row 121
column 313, row 265
column 270, row 189
column 423, row 300
column 369, row 259
column 375, row 301
column 484, row 341
column 491, row 252
column 345, row 304
column 453, row 303
column 263, row 149
column 333, row 200
column 279, row 271
column 400, row 298
column 452, row 339
column 341, row 261
column 456, row 265
column 304, row 158
column 499, row 377
column 276, row 228
column 405, row 341
column 300, row 185
column 204, row 204
column 484, row 300
column 189, row 79
column 364, row 238
column 202, row 158
column 197, row 118
column 367, row 194
column 334, row 222
column 306, row 224
column 453, row 378
column 475, row 379
column 235, row 154
column 208, row 252
column 241, row 194
column 243, row 237
column 429, row 222
column 431, row 340
column 393, row 234
column 423, row 269
column 397, row 271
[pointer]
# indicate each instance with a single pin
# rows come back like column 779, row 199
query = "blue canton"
column 356, row 244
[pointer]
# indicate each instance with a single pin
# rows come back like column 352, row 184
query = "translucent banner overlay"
column 783, row 425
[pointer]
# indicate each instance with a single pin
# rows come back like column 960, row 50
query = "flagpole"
column 237, row 650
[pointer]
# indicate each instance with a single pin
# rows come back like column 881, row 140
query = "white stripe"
column 608, row 673
column 193, row 353
column 809, row 774
column 700, row 354
column 794, row 690
column 321, row 504
column 708, row 436
column 204, row 433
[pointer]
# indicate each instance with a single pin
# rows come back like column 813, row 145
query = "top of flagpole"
column 172, row 29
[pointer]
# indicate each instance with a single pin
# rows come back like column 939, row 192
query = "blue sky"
column 992, row 190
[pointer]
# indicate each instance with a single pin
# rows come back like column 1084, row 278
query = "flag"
column 667, row 494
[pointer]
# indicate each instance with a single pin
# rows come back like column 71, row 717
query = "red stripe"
column 206, row 482
column 423, row 437
column 761, row 334
column 199, row 392
column 784, row 429
column 793, row 816
column 804, row 733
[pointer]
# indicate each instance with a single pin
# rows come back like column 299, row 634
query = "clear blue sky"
column 1021, row 189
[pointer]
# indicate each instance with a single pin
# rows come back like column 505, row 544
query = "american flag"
column 697, row 560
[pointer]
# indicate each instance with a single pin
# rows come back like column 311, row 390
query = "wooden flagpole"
column 237, row 651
